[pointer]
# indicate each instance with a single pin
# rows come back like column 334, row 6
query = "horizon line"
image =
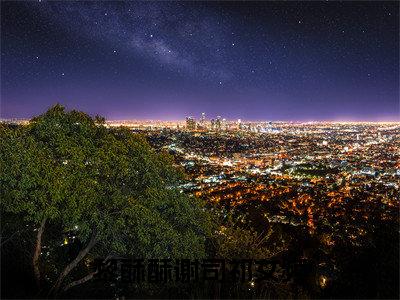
column 231, row 120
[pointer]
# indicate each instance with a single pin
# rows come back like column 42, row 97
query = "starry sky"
column 295, row 61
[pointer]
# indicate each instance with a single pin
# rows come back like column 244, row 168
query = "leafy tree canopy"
column 107, row 185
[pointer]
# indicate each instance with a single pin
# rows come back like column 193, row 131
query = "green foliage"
column 235, row 241
column 72, row 170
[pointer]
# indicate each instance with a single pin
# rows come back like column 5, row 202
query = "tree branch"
column 5, row 240
column 80, row 281
column 84, row 279
column 54, row 290
column 36, row 254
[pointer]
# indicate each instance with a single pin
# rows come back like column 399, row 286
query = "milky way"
column 166, row 60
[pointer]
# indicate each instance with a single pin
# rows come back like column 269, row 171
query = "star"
column 205, row 58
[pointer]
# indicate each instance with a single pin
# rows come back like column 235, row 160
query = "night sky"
column 166, row 60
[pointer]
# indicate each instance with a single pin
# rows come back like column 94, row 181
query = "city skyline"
column 258, row 61
column 214, row 116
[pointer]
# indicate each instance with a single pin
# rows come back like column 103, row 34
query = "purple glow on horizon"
column 167, row 60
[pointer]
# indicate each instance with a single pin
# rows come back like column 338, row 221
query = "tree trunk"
column 56, row 287
column 36, row 254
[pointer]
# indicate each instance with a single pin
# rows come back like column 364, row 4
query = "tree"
column 106, row 186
